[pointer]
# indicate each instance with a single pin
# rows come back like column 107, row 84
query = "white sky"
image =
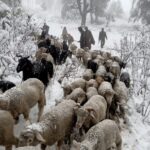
column 126, row 4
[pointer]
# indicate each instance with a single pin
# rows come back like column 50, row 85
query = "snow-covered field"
column 136, row 135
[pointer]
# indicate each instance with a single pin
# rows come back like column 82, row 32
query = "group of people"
column 86, row 38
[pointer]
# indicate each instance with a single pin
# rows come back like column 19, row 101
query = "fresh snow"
column 136, row 136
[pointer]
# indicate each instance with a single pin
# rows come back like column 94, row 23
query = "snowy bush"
column 135, row 50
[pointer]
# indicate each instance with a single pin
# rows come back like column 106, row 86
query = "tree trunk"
column 83, row 21
column 91, row 12
column 84, row 11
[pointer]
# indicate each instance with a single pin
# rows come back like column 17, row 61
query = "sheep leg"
column 107, row 113
column 59, row 144
column 26, row 116
column 8, row 147
column 41, row 109
column 41, row 103
column 43, row 147
column 119, row 145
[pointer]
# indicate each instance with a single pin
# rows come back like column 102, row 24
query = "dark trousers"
column 102, row 43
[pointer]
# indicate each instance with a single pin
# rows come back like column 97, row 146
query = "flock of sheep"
column 86, row 119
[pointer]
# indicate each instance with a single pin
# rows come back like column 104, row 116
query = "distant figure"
column 102, row 37
column 82, row 37
column 45, row 31
column 89, row 39
column 65, row 34
column 70, row 39
column 3, row 25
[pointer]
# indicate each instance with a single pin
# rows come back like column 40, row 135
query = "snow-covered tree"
column 115, row 9
column 141, row 11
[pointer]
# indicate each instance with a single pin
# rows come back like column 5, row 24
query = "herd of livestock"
column 87, row 118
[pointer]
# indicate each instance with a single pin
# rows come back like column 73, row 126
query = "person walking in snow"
column 82, row 37
column 102, row 37
column 3, row 25
column 65, row 34
column 89, row 39
column 45, row 31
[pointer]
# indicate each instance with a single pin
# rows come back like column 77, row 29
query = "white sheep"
column 106, row 90
column 121, row 95
column 86, row 57
column 115, row 69
column 100, row 137
column 80, row 53
column 20, row 99
column 92, row 112
column 7, row 137
column 73, row 48
column 78, row 83
column 78, row 95
column 99, row 60
column 92, row 83
column 91, row 91
column 100, row 74
column 53, row 127
column 88, row 74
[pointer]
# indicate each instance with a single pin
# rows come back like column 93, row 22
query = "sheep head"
column 99, row 80
column 81, row 146
column 81, row 116
column 81, row 97
column 30, row 138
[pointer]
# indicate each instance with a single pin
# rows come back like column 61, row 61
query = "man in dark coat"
column 102, row 37
column 89, row 39
column 45, row 31
column 82, row 37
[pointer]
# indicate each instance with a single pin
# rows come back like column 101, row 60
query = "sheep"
column 7, row 137
column 78, row 83
column 99, row 60
column 88, row 74
column 108, row 64
column 100, row 74
column 80, row 53
column 109, row 77
column 53, row 127
column 100, row 137
column 121, row 63
column 106, row 90
column 94, row 54
column 92, row 112
column 91, row 91
column 6, row 85
column 121, row 96
column 73, row 48
column 86, row 57
column 18, row 100
column 92, row 83
column 105, row 55
column 39, row 53
column 78, row 95
column 92, row 65
column 67, row 89
column 125, row 77
column 115, row 69
column 47, row 57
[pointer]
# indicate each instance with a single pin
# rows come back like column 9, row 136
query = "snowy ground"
column 136, row 136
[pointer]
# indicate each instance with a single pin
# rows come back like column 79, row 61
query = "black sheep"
column 125, row 77
column 38, row 69
column 6, row 85
column 92, row 65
